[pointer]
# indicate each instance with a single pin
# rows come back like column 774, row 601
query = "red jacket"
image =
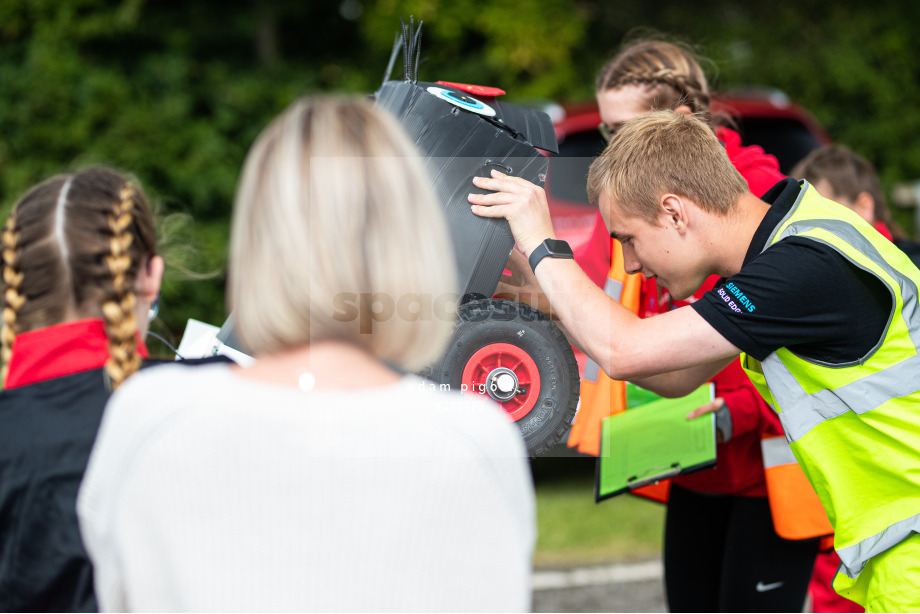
column 740, row 464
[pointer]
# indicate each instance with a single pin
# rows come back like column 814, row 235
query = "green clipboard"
column 654, row 441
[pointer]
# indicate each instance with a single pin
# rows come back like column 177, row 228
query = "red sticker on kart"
column 479, row 90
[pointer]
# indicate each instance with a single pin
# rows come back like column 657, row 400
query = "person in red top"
column 80, row 273
column 842, row 175
column 721, row 552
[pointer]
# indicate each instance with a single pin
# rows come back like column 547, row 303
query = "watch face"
column 559, row 247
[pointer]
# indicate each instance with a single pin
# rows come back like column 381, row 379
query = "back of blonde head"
column 72, row 248
column 663, row 152
column 671, row 72
column 334, row 216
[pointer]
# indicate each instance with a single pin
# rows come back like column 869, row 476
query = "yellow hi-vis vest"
column 601, row 396
column 855, row 428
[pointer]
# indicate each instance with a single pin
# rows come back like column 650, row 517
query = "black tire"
column 499, row 321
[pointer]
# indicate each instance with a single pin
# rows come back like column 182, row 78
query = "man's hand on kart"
column 520, row 202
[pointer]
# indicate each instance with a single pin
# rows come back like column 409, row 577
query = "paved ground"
column 618, row 587
column 614, row 587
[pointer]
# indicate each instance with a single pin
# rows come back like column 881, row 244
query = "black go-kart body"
column 501, row 349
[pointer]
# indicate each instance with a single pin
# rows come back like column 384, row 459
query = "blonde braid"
column 120, row 319
column 672, row 70
column 13, row 299
column 689, row 91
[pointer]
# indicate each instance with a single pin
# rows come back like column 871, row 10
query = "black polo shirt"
column 798, row 294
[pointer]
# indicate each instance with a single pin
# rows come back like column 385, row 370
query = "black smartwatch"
column 553, row 248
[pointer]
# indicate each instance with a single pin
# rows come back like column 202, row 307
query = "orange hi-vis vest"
column 601, row 396
column 796, row 509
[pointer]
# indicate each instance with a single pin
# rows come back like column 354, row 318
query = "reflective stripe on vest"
column 796, row 510
column 855, row 556
column 807, row 411
column 853, row 427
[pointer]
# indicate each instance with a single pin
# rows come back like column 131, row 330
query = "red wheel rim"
column 494, row 356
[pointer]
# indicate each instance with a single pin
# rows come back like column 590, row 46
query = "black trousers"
column 721, row 554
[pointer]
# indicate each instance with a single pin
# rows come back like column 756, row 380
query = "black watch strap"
column 552, row 248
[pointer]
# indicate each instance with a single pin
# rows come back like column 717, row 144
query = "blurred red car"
column 762, row 117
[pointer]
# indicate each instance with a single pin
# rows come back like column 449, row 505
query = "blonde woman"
column 80, row 272
column 321, row 477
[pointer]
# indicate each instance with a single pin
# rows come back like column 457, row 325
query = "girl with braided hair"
column 651, row 74
column 80, row 273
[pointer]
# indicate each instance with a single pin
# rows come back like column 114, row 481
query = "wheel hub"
column 507, row 374
column 502, row 384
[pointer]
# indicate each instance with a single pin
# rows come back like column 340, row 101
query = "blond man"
column 823, row 310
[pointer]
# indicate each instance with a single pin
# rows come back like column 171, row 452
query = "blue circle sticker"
column 462, row 100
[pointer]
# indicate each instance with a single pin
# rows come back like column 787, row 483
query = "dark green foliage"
column 174, row 91
column 855, row 66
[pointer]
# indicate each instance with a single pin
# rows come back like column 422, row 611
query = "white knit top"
column 211, row 491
